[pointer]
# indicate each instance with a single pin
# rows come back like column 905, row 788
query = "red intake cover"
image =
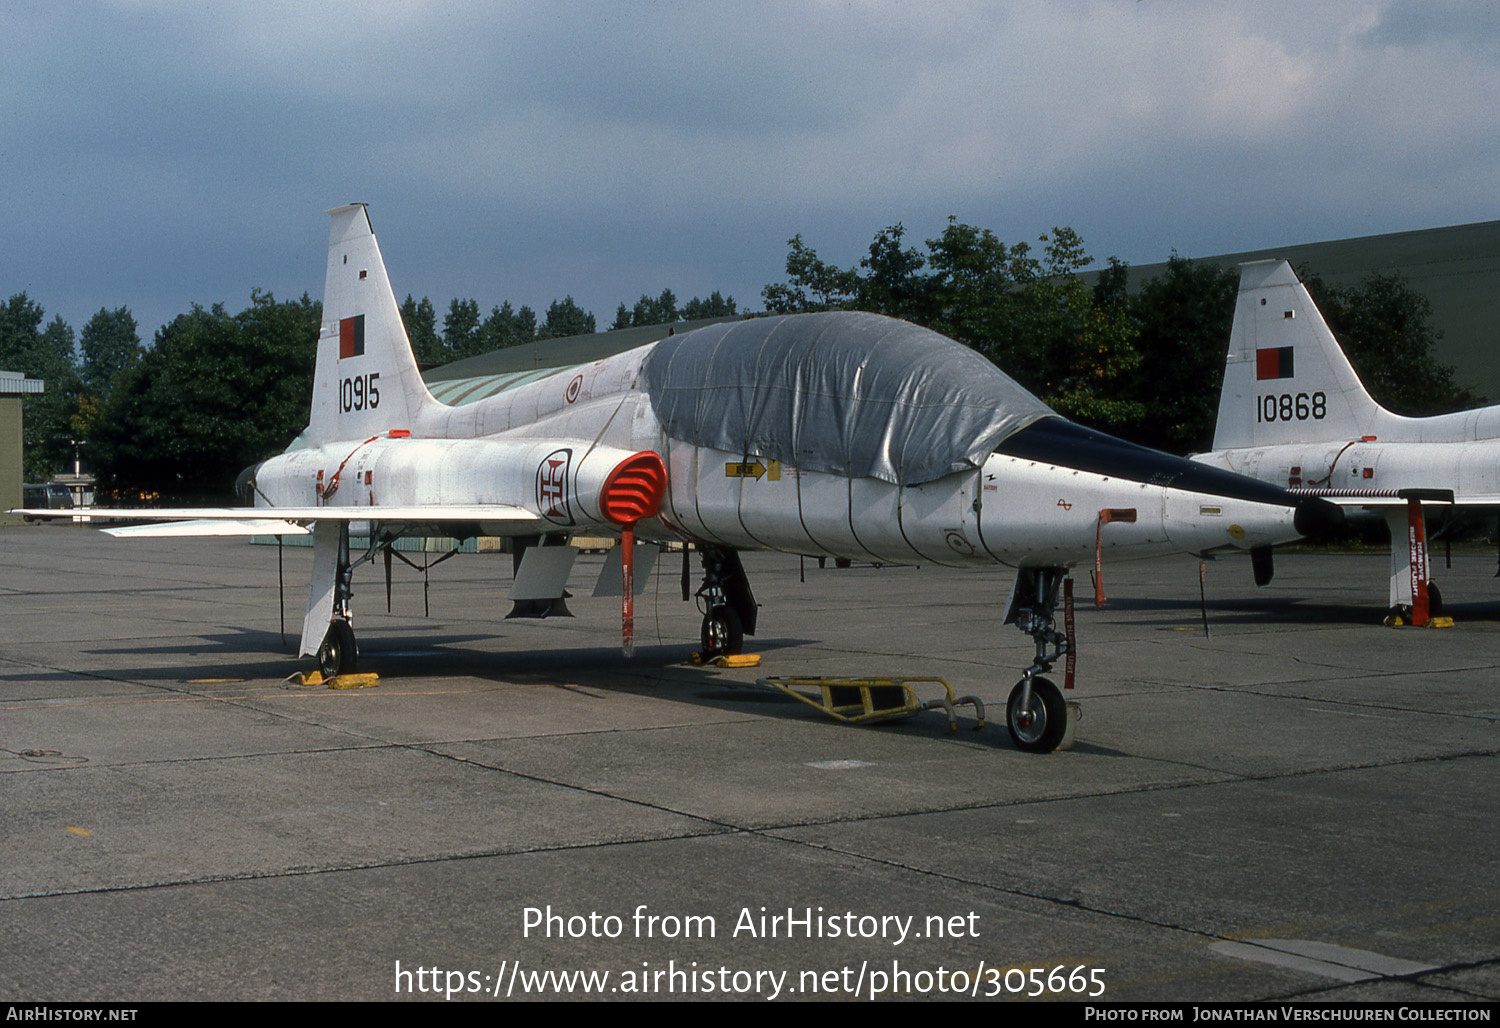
column 634, row 489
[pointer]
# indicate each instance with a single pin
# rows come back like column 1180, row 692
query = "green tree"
column 461, row 336
column 1092, row 344
column 1183, row 318
column 566, row 318
column 46, row 354
column 812, row 284
column 420, row 320
column 893, row 284
column 215, row 393
column 49, row 438
column 1034, row 317
column 108, row 344
column 716, row 306
column 648, row 310
column 659, row 311
column 1030, row 314
column 663, row 310
column 20, row 329
column 507, row 326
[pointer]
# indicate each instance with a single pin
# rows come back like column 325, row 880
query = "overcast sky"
column 156, row 153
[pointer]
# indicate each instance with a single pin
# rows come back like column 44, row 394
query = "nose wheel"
column 726, row 601
column 723, row 635
column 1037, row 715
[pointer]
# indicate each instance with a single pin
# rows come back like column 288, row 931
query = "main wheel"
column 1038, row 726
column 337, row 655
column 723, row 635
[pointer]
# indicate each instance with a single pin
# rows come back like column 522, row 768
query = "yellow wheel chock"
column 857, row 701
column 349, row 681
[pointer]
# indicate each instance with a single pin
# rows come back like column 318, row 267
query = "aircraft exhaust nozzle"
column 1316, row 518
column 244, row 484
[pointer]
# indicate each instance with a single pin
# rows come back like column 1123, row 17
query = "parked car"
column 45, row 495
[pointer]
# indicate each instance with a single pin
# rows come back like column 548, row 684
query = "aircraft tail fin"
column 1286, row 379
column 366, row 381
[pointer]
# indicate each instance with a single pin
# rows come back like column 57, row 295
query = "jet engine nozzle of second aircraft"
column 1316, row 518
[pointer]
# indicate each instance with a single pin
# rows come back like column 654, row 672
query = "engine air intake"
column 634, row 489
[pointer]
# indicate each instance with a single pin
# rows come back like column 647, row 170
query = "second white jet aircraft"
column 1293, row 413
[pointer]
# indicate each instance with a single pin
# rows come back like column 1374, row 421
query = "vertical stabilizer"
column 1286, row 379
column 366, row 381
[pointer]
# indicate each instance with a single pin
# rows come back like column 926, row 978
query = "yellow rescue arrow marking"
column 754, row 469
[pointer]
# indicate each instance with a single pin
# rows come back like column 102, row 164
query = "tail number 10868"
column 359, row 393
column 1290, row 407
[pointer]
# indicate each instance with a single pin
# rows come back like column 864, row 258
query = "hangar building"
column 13, row 386
column 1457, row 268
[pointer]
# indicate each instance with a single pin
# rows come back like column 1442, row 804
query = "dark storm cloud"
column 162, row 153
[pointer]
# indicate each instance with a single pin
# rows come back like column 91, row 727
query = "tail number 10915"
column 359, row 393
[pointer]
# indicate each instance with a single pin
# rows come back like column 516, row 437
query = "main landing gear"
column 1414, row 598
column 726, row 601
column 338, row 654
column 1036, row 713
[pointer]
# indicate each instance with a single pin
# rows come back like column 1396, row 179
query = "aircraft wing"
column 205, row 527
column 1391, row 497
column 220, row 521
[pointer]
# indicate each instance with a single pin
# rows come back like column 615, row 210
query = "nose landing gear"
column 726, row 601
column 1038, row 717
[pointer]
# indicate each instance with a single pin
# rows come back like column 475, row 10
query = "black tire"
column 723, row 635
column 1434, row 600
column 1040, row 726
column 338, row 655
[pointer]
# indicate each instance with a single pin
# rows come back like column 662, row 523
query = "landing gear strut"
column 726, row 601
column 338, row 654
column 1036, row 713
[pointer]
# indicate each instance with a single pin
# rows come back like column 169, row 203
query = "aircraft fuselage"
column 1012, row 510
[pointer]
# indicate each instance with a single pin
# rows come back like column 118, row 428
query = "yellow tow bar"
column 860, row 700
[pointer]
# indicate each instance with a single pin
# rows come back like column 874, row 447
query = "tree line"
column 1145, row 365
column 217, row 391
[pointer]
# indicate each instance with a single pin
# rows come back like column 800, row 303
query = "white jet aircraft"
column 1292, row 412
column 841, row 435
